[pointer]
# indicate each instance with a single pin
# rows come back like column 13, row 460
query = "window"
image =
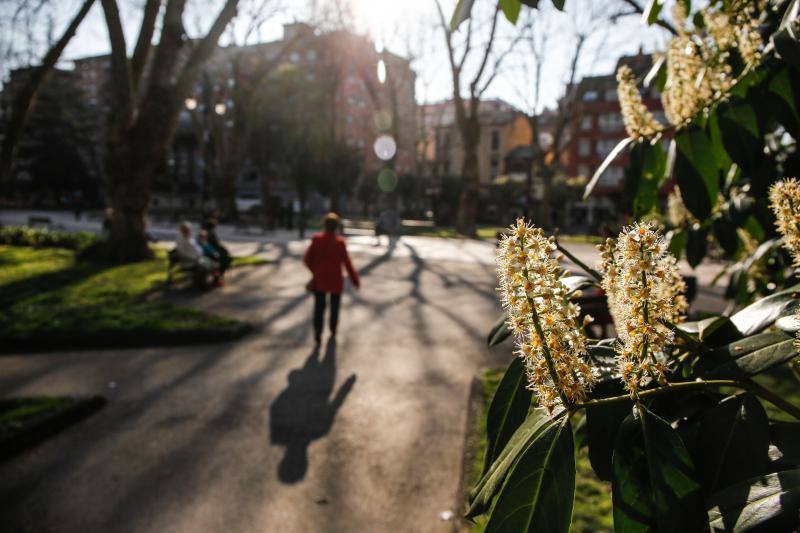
column 584, row 147
column 610, row 122
column 590, row 96
column 586, row 123
column 604, row 146
column 612, row 177
column 494, row 167
column 311, row 56
column 611, row 95
column 495, row 140
column 583, row 170
column 294, row 57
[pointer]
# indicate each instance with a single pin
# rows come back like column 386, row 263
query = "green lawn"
column 44, row 290
column 15, row 413
column 592, row 510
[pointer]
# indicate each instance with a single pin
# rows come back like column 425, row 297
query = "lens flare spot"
column 385, row 147
column 381, row 71
column 387, row 180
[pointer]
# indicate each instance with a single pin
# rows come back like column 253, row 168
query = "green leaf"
column 559, row 4
column 732, row 442
column 511, row 9
column 655, row 485
column 757, row 361
column 745, row 346
column 461, row 13
column 740, row 134
column 480, row 497
column 696, row 245
column 725, row 232
column 696, row 171
column 677, row 239
column 540, row 490
column 651, row 12
column 712, row 331
column 657, row 75
column 786, row 438
column 781, row 86
column 787, row 45
column 602, row 424
column 761, row 314
column 507, row 411
column 651, row 161
column 604, row 165
column 499, row 331
column 763, row 503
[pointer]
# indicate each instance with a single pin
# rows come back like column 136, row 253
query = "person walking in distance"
column 324, row 258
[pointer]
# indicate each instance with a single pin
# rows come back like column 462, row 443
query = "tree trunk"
column 129, row 194
column 468, row 204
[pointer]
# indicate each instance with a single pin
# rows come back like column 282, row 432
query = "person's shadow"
column 302, row 412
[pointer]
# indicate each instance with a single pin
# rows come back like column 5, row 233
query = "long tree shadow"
column 302, row 412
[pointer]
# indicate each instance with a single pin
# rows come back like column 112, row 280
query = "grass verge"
column 24, row 422
column 46, row 295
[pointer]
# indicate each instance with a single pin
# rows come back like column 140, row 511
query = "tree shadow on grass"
column 302, row 412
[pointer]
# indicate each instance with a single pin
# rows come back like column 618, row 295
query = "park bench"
column 199, row 276
column 38, row 220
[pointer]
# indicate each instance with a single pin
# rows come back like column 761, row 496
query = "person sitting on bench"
column 191, row 256
column 212, row 253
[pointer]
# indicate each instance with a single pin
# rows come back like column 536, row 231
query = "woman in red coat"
column 325, row 258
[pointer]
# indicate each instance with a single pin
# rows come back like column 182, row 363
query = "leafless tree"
column 474, row 82
column 145, row 109
column 25, row 97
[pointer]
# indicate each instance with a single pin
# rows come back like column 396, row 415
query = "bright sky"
column 405, row 27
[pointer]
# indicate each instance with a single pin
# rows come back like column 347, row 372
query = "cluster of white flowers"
column 698, row 65
column 545, row 322
column 677, row 213
column 644, row 290
column 639, row 121
column 784, row 197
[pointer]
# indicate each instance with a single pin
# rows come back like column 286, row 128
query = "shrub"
column 44, row 238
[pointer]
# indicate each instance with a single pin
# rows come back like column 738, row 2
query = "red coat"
column 324, row 258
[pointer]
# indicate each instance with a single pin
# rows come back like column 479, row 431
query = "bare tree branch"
column 26, row 98
column 144, row 42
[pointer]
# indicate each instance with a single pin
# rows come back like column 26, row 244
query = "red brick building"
column 597, row 128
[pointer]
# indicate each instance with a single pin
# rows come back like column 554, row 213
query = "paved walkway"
column 267, row 434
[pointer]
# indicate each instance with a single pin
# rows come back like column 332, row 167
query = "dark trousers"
column 319, row 312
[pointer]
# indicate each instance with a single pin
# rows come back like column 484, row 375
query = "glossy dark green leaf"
column 740, row 134
column 657, row 75
column 480, row 497
column 763, row 503
column 507, row 411
column 602, row 424
column 763, row 313
column 648, row 162
column 604, row 360
column 499, row 331
column 651, row 12
column 732, row 442
column 696, row 244
column 787, row 89
column 725, row 232
column 576, row 283
column 677, row 239
column 618, row 149
column 540, row 489
column 712, row 331
column 787, row 45
column 786, row 438
column 559, row 4
column 757, row 361
column 655, row 486
column 461, row 13
column 696, row 171
column 511, row 9
column 747, row 345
